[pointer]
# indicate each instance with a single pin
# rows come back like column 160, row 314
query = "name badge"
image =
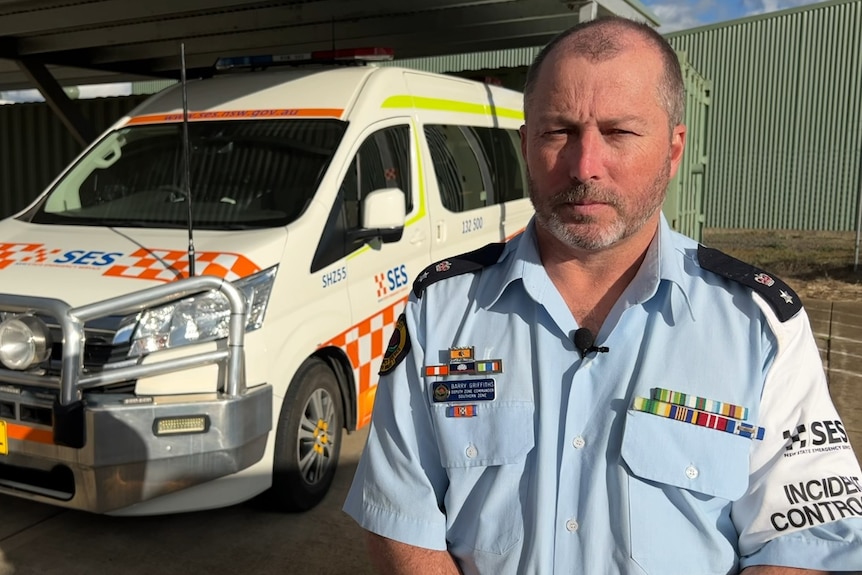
column 465, row 390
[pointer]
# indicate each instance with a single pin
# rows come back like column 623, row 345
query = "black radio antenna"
column 187, row 170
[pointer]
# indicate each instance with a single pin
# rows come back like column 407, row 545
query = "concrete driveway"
column 37, row 539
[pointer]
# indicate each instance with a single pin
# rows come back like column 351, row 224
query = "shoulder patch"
column 397, row 348
column 778, row 294
column 458, row 265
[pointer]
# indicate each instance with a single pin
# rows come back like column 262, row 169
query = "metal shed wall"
column 784, row 136
column 35, row 146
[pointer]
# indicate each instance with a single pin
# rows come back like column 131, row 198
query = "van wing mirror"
column 383, row 215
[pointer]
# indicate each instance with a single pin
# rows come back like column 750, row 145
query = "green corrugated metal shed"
column 488, row 60
column 784, row 135
column 151, row 86
column 35, row 146
column 684, row 203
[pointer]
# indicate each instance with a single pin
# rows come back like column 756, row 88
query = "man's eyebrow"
column 564, row 120
column 627, row 119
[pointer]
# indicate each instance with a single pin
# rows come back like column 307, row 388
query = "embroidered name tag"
column 465, row 390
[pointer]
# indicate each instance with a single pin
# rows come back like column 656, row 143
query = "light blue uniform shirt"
column 558, row 474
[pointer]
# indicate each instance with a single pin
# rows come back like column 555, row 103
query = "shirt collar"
column 663, row 262
column 520, row 262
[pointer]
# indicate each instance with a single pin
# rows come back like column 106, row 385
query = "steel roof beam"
column 135, row 36
column 470, row 23
column 60, row 103
column 122, row 13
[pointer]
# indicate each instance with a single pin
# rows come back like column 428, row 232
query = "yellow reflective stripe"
column 358, row 252
column 421, row 213
column 441, row 105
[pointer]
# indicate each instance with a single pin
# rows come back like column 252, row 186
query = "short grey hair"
column 599, row 40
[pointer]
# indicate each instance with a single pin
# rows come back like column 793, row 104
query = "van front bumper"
column 131, row 452
column 74, row 440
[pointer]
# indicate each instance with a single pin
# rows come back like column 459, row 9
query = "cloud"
column 680, row 15
column 753, row 7
column 675, row 15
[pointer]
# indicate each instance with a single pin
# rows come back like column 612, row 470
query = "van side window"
column 502, row 151
column 476, row 167
column 382, row 161
column 460, row 178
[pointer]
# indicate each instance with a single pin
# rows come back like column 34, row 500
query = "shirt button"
column 472, row 451
column 579, row 442
column 691, row 472
column 572, row 525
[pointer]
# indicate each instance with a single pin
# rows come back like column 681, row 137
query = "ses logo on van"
column 391, row 280
column 144, row 263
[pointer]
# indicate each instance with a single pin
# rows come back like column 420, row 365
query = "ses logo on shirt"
column 816, row 437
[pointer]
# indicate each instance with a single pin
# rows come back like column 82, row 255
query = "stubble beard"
column 586, row 232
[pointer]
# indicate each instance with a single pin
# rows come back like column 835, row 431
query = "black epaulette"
column 465, row 263
column 778, row 294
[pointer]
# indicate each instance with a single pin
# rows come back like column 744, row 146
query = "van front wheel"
column 308, row 438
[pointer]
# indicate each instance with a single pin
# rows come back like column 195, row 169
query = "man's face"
column 598, row 147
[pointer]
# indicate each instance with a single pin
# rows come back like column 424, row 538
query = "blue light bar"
column 320, row 56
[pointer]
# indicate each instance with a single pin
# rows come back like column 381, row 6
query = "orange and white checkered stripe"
column 170, row 265
column 11, row 253
column 382, row 288
column 365, row 344
column 144, row 263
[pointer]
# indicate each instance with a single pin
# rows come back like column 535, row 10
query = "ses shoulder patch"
column 778, row 294
column 465, row 263
column 398, row 347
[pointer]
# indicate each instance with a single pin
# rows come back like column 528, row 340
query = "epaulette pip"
column 465, row 263
column 778, row 294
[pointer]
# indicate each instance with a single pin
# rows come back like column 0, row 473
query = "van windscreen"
column 244, row 174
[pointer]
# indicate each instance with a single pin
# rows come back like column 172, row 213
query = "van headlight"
column 25, row 341
column 204, row 317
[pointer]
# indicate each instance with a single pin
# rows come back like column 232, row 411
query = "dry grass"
column 818, row 265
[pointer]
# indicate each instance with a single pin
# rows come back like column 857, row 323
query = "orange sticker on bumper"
column 24, row 433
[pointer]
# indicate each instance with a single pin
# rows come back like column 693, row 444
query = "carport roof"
column 95, row 41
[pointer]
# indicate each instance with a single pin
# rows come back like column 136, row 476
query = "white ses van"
column 317, row 196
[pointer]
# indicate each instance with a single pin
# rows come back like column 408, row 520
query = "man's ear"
column 677, row 147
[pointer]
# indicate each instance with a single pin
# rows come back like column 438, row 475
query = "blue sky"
column 682, row 14
column 674, row 15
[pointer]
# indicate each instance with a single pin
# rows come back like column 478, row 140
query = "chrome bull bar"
column 107, row 451
column 73, row 381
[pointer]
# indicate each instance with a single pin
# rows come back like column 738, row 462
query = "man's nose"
column 585, row 156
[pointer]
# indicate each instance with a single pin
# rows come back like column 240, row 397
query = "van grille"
column 100, row 347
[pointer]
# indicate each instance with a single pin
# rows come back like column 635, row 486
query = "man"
column 602, row 395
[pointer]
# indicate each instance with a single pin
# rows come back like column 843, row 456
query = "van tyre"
column 308, row 438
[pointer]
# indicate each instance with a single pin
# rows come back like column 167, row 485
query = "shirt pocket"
column 683, row 478
column 485, row 458
column 498, row 434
